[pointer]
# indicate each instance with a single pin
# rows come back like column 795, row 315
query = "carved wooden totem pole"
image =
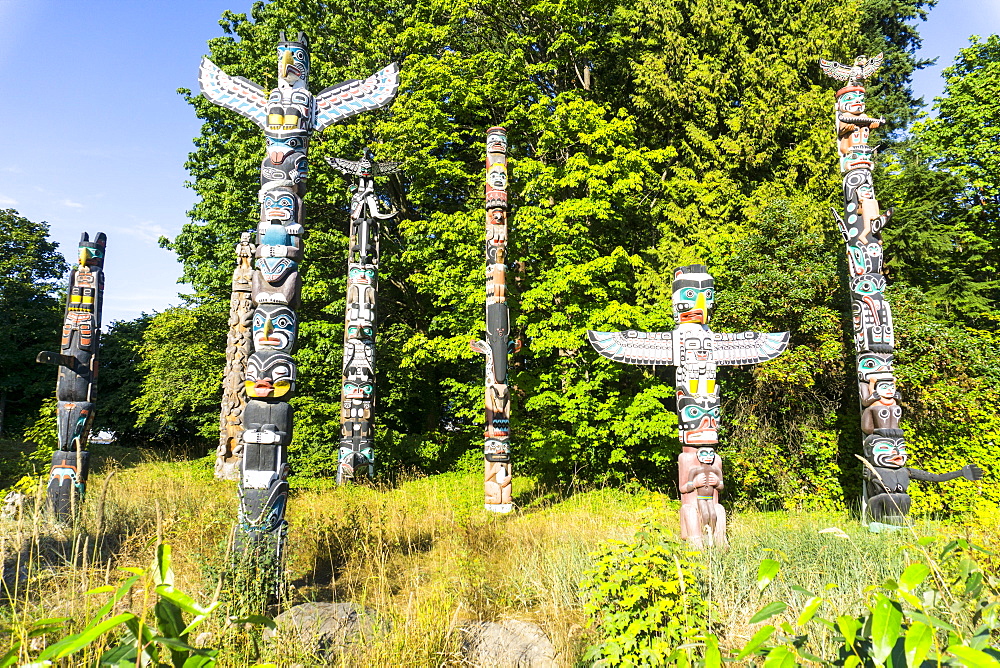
column 76, row 386
column 498, row 343
column 357, row 395
column 696, row 351
column 288, row 117
column 238, row 350
column 886, row 474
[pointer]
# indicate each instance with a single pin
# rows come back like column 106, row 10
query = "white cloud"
column 7, row 201
column 71, row 203
column 145, row 230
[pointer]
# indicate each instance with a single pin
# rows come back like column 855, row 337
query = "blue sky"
column 96, row 136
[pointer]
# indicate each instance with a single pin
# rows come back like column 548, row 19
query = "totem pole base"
column 499, row 507
column 67, row 482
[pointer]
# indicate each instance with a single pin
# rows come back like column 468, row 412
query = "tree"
column 121, row 382
column 30, row 268
column 643, row 135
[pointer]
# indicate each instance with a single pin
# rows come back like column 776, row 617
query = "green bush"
column 646, row 601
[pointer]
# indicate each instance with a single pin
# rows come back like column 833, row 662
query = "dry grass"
column 424, row 555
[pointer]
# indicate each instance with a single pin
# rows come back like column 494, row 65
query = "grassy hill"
column 426, row 557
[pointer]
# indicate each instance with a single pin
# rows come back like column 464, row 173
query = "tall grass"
column 423, row 555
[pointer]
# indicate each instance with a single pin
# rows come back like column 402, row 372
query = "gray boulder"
column 326, row 629
column 509, row 643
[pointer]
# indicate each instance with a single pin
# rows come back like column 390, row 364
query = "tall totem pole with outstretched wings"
column 887, row 477
column 357, row 395
column 76, row 385
column 697, row 352
column 288, row 117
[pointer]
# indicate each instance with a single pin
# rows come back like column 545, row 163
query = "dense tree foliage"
column 643, row 135
column 30, row 270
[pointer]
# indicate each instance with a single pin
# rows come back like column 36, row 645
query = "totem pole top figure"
column 862, row 69
column 291, row 112
column 363, row 193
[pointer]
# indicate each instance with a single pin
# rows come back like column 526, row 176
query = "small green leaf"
column 848, row 628
column 973, row 658
column 765, row 573
column 768, row 611
column 933, row 621
column 780, row 657
column 812, row 605
column 103, row 589
column 852, row 661
column 887, row 618
column 713, row 657
column 913, row 576
column 917, row 643
column 758, row 639
column 74, row 643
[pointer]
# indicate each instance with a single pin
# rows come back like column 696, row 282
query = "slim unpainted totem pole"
column 357, row 394
column 288, row 117
column 696, row 351
column 498, row 343
column 238, row 349
column 886, row 475
column 76, row 385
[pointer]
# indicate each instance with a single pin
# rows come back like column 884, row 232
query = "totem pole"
column 498, row 343
column 238, row 349
column 696, row 351
column 288, row 117
column 357, row 394
column 76, row 385
column 886, row 475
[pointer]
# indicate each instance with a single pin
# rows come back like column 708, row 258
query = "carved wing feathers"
column 381, row 168
column 345, row 166
column 241, row 95
column 632, row 347
column 873, row 64
column 748, row 347
column 835, row 69
column 350, row 98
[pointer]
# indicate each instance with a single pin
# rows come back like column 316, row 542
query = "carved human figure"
column 702, row 516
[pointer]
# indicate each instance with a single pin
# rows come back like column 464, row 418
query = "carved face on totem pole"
column 886, row 452
column 293, row 61
column 693, row 294
column 92, row 252
column 274, row 327
column 270, row 375
column 698, row 418
column 706, row 456
column 496, row 142
column 497, row 176
column 851, row 100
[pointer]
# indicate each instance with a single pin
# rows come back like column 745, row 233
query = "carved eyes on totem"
column 869, row 285
column 359, row 332
column 360, row 275
column 270, row 374
column 692, row 413
column 889, row 454
column 358, row 390
column 273, row 269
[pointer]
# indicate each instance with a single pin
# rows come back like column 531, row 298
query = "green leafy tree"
column 642, row 136
column 30, row 269
column 121, row 381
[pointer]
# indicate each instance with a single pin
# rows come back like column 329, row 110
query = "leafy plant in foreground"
column 162, row 641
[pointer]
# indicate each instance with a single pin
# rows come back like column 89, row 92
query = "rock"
column 327, row 628
column 510, row 643
column 12, row 504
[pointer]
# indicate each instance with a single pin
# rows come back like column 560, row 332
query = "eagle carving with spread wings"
column 862, row 69
column 333, row 104
column 657, row 348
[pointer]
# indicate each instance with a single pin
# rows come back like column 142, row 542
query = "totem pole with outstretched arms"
column 696, row 351
column 288, row 117
column 886, row 475
column 357, row 395
column 497, row 343
column 76, row 385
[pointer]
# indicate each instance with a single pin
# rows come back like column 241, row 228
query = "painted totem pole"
column 288, row 117
column 76, row 385
column 357, row 394
column 498, row 343
column 696, row 351
column 238, row 350
column 886, row 474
